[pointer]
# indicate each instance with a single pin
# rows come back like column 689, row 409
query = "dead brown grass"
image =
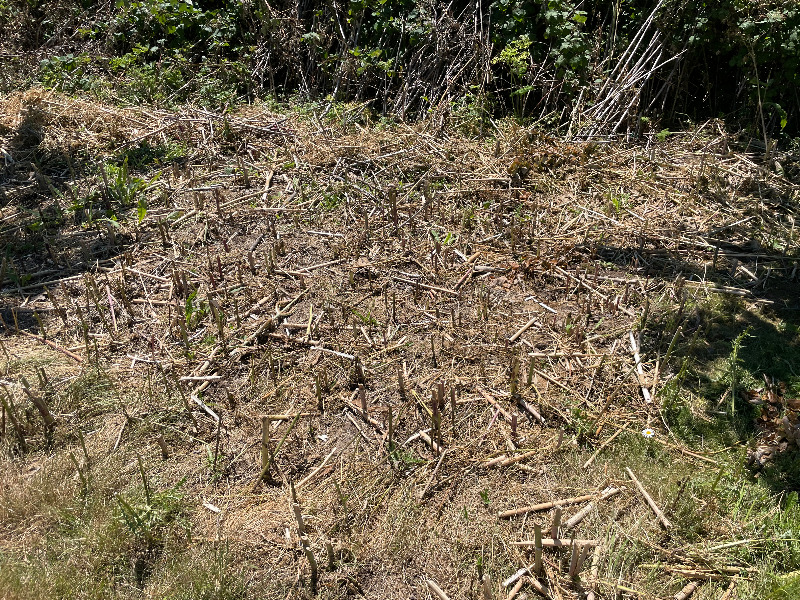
column 417, row 252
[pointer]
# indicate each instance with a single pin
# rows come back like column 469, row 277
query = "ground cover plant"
column 316, row 353
column 622, row 67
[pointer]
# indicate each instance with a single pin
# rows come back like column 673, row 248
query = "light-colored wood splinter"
column 433, row 288
column 658, row 512
column 290, row 416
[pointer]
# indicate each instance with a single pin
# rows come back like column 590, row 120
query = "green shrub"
column 68, row 73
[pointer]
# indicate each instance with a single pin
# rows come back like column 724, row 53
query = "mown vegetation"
column 329, row 211
column 548, row 61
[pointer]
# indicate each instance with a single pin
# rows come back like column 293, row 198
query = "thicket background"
column 474, row 60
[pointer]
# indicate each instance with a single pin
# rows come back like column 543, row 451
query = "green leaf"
column 141, row 209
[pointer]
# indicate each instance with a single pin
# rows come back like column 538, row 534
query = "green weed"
column 68, row 73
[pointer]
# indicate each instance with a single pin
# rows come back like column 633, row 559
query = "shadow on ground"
column 59, row 212
column 728, row 354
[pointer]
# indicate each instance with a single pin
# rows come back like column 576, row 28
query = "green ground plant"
column 547, row 59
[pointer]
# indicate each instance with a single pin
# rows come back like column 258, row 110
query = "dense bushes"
column 546, row 59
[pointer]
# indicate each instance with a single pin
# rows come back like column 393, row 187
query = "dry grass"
column 318, row 240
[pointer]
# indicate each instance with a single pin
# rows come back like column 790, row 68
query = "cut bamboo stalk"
column 312, row 563
column 53, row 345
column 201, row 378
column 265, row 469
column 362, row 400
column 298, row 517
column 47, row 416
column 517, row 587
column 661, row 517
column 531, row 410
column 401, row 382
column 559, row 384
column 487, row 587
column 517, row 576
column 687, row 452
column 359, row 411
column 627, row 311
column 495, row 403
column 316, row 471
column 581, row 559
column 639, row 369
column 538, row 587
column 556, row 523
column 206, row 409
column 573, row 559
column 390, row 432
column 163, row 445
column 687, row 591
column 9, row 410
column 432, row 476
column 573, row 521
column 593, row 573
column 580, row 515
column 728, row 595
column 546, row 506
column 453, row 410
column 699, row 575
column 464, row 277
column 503, row 461
column 431, row 443
column 514, row 381
column 537, row 545
column 334, row 352
column 216, row 445
column 567, row 354
column 522, row 330
column 331, row 555
column 603, row 445
column 437, row 590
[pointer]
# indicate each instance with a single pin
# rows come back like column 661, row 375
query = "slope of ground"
column 223, row 331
